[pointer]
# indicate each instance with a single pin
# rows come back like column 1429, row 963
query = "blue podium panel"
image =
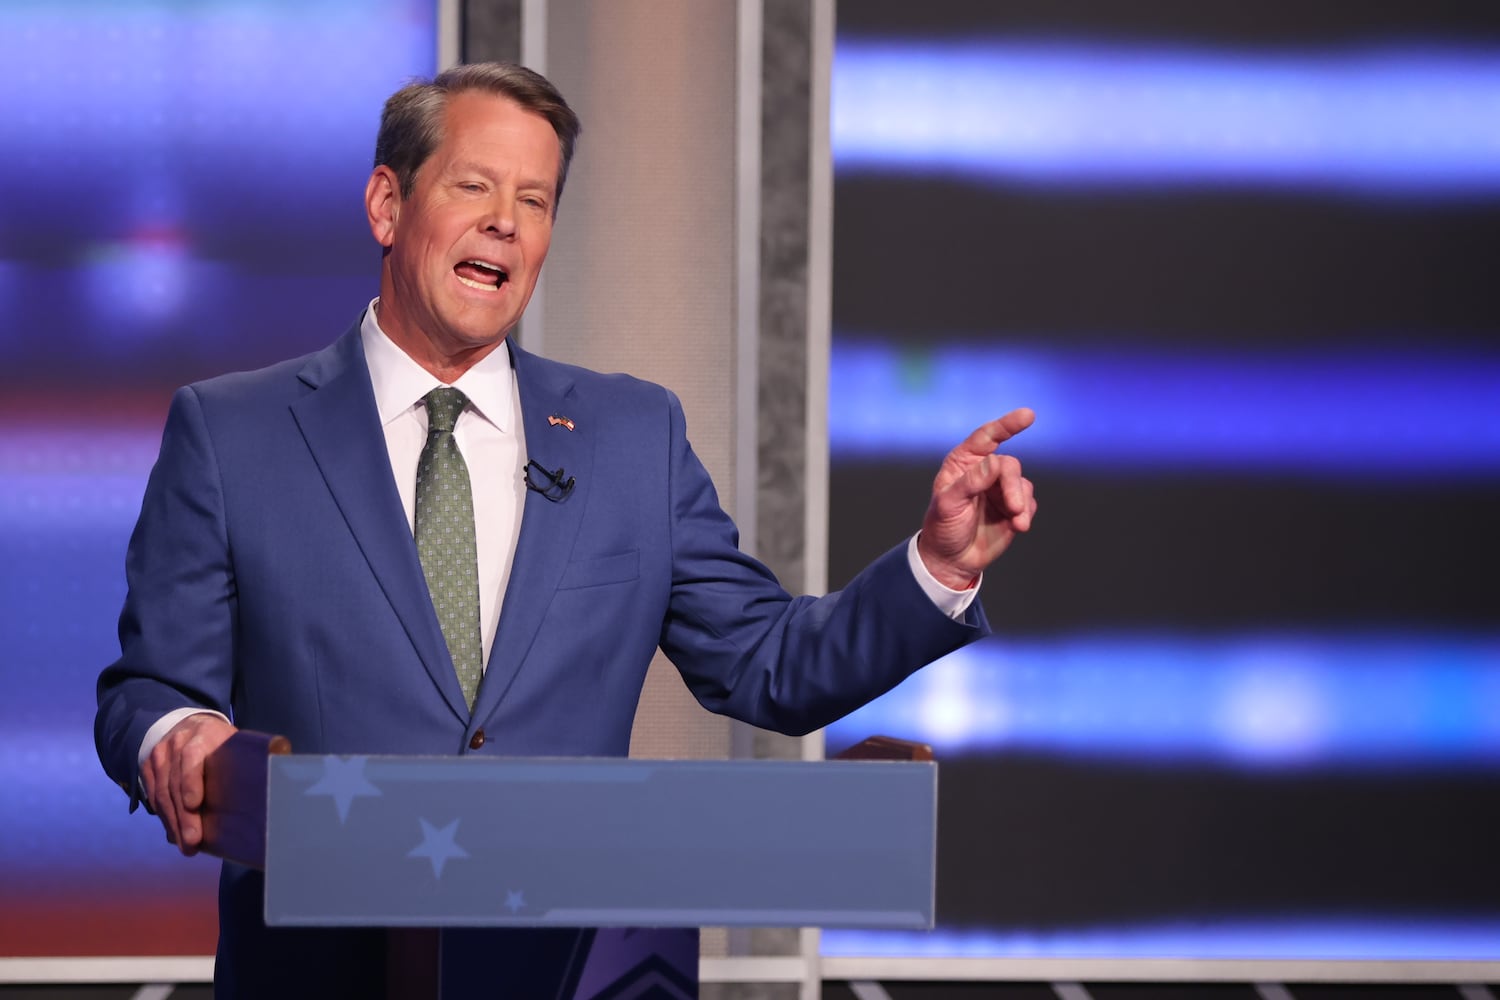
column 453, row 842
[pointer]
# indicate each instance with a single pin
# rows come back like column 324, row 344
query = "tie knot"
column 443, row 407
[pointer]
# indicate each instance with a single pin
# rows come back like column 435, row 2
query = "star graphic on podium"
column 515, row 900
column 438, row 846
column 345, row 781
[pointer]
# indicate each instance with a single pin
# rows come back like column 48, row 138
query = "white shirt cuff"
column 953, row 603
column 164, row 725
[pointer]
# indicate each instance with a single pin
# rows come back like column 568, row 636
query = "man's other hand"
column 173, row 777
column 980, row 502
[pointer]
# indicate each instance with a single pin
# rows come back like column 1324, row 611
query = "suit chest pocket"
column 621, row 568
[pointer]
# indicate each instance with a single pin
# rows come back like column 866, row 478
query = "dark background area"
column 1031, row 840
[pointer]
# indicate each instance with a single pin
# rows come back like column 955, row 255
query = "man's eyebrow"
column 547, row 184
column 473, row 167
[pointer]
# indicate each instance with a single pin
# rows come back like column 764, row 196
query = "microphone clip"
column 552, row 486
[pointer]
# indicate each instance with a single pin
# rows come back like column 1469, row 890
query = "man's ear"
column 383, row 204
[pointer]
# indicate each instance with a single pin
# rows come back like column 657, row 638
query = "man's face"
column 468, row 244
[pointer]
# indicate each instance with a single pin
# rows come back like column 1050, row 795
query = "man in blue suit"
column 274, row 578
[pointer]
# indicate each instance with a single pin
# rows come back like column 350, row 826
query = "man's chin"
column 475, row 329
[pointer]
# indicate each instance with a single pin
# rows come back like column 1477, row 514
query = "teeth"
column 501, row 276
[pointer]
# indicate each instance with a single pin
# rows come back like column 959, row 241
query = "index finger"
column 987, row 437
column 158, row 788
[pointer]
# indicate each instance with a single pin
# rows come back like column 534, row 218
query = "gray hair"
column 411, row 124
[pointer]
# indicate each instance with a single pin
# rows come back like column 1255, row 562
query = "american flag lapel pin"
column 557, row 419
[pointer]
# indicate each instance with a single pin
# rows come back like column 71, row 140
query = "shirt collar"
column 400, row 383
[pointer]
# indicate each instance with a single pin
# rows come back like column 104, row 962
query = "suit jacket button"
column 478, row 740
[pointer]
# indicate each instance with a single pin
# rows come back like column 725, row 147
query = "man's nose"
column 500, row 219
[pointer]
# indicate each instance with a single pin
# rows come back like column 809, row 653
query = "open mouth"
column 483, row 276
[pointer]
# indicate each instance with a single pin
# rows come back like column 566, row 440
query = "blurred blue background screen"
column 1243, row 700
column 184, row 198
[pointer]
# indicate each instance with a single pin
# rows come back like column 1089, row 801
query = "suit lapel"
column 341, row 426
column 547, row 526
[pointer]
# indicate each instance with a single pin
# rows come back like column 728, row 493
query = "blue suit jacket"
column 272, row 576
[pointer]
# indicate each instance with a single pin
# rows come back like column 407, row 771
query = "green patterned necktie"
column 445, row 538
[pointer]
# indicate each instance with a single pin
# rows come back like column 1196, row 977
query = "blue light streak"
column 1313, row 412
column 131, row 117
column 1373, row 120
column 162, row 88
column 1336, row 937
column 1269, row 700
column 58, row 479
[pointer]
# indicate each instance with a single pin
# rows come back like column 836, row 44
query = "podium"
column 438, row 848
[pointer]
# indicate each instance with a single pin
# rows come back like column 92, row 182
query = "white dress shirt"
column 489, row 436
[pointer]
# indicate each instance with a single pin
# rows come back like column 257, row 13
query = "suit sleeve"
column 750, row 650
column 177, row 626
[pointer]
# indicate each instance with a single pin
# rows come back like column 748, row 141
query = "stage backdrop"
column 184, row 189
column 1244, row 700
